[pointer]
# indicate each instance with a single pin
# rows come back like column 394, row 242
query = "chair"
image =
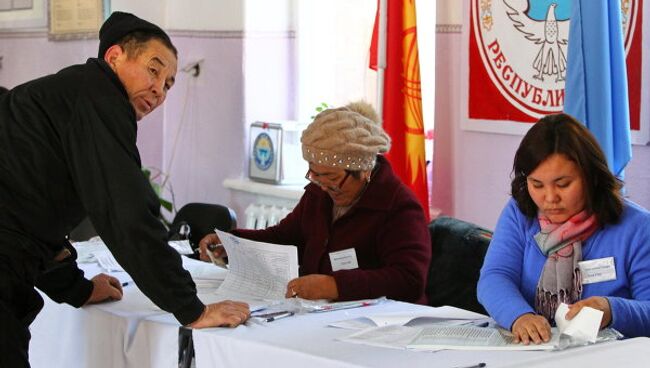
column 84, row 231
column 458, row 250
column 202, row 219
column 194, row 221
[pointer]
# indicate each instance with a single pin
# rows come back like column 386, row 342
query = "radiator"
column 260, row 216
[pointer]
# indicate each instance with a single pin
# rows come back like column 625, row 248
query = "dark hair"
column 563, row 134
column 3, row 90
column 134, row 42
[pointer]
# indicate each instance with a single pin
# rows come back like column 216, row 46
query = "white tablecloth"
column 115, row 334
column 109, row 335
column 135, row 333
column 306, row 341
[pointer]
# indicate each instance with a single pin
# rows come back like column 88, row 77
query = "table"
column 135, row 333
column 306, row 341
column 115, row 334
column 111, row 335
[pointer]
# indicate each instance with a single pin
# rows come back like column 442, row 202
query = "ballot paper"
column 446, row 314
column 94, row 250
column 181, row 246
column 472, row 338
column 106, row 261
column 86, row 249
column 392, row 336
column 203, row 270
column 459, row 337
column 583, row 327
column 448, row 328
column 257, row 270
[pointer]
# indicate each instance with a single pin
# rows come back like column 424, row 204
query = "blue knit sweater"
column 514, row 263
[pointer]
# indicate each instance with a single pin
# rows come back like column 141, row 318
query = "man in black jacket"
column 68, row 150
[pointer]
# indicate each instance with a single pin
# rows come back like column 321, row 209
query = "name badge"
column 344, row 260
column 597, row 270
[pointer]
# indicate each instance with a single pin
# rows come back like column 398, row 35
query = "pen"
column 477, row 365
column 345, row 305
column 279, row 316
column 481, row 324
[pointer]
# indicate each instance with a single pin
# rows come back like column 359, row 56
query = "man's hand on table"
column 223, row 314
column 105, row 288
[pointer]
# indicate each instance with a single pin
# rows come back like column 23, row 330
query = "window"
column 333, row 53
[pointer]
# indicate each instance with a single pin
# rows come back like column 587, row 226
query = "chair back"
column 458, row 250
column 202, row 219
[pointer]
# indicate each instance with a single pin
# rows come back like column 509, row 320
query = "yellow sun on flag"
column 412, row 96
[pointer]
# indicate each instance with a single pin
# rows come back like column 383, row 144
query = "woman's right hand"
column 209, row 241
column 531, row 327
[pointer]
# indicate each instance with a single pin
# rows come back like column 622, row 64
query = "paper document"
column 472, row 338
column 450, row 315
column 583, row 327
column 203, row 271
column 106, row 261
column 181, row 246
column 257, row 270
column 393, row 336
column 85, row 249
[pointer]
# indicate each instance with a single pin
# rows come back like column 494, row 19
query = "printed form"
column 257, row 270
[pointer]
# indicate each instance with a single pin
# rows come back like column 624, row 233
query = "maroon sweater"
column 386, row 227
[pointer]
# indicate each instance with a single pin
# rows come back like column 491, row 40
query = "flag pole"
column 381, row 57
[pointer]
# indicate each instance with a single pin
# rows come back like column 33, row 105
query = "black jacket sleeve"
column 64, row 282
column 99, row 145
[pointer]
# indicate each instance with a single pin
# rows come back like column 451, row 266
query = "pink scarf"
column 561, row 281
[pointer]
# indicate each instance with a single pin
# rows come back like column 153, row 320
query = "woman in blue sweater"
column 566, row 236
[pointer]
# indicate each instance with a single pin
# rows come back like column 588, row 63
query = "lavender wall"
column 638, row 176
column 243, row 79
column 444, row 121
column 203, row 135
column 28, row 56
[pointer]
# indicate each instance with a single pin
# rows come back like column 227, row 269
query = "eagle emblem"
column 551, row 34
column 521, row 47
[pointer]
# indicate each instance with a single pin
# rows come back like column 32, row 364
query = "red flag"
column 402, row 110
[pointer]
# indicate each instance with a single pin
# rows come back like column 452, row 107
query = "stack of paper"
column 446, row 329
column 446, row 314
column 472, row 338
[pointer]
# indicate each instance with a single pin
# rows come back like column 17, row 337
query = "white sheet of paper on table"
column 472, row 338
column 435, row 315
column 106, row 261
column 392, row 336
column 181, row 246
column 86, row 249
column 203, row 270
